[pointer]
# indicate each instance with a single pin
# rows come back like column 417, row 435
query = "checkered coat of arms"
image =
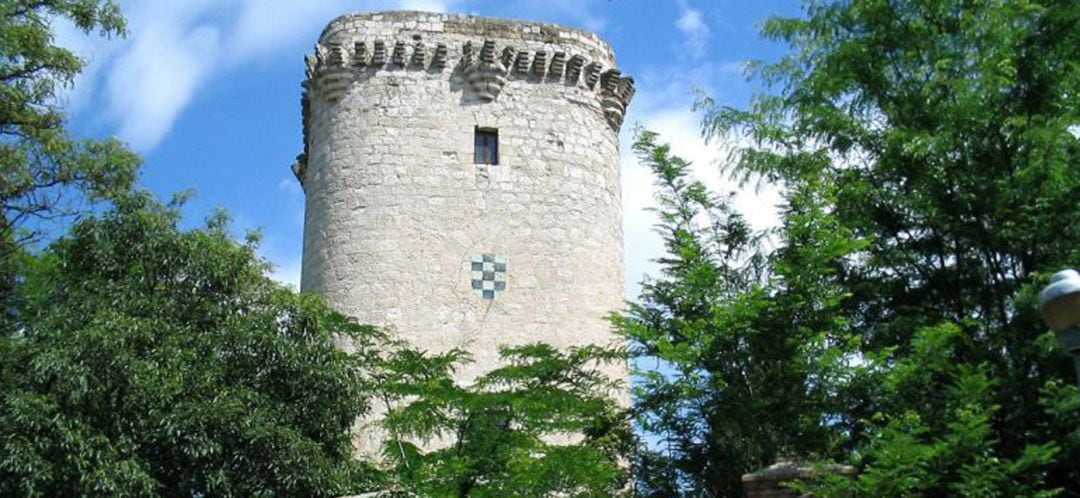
column 489, row 274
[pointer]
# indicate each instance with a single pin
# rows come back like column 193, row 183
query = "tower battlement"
column 479, row 56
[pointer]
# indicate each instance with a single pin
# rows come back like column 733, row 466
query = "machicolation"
column 337, row 63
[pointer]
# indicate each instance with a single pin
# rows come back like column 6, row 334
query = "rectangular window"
column 487, row 146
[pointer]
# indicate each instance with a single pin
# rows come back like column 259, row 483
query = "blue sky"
column 208, row 91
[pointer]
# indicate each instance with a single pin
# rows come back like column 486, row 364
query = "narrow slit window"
column 487, row 146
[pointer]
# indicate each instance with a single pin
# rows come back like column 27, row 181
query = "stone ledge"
column 468, row 25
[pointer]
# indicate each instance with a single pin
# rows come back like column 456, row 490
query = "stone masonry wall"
column 397, row 210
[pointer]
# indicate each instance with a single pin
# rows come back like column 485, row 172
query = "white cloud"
column 663, row 104
column 147, row 79
column 154, row 79
column 266, row 27
column 175, row 48
column 695, row 32
column 679, row 126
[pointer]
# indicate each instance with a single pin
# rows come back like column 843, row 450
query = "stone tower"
column 462, row 180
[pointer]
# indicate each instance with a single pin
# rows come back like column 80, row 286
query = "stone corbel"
column 439, row 60
column 419, row 55
column 360, row 55
column 573, row 69
column 299, row 168
column 592, row 75
column 558, row 65
column 332, row 76
column 378, row 58
column 521, row 64
column 398, row 58
column 539, row 65
column 615, row 92
column 487, row 76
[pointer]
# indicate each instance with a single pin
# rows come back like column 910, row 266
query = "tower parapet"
column 483, row 53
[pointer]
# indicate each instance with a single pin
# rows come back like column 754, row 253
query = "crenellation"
column 487, row 52
column 485, row 77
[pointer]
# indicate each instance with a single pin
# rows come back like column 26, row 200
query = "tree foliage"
column 152, row 361
column 543, row 424
column 934, row 435
column 927, row 153
column 46, row 174
column 739, row 351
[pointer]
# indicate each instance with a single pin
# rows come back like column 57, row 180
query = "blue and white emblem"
column 488, row 274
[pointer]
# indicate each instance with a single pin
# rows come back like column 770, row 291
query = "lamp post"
column 1060, row 305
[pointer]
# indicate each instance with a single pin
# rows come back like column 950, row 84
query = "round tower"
column 462, row 180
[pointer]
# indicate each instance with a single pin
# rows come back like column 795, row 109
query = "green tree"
column 152, row 361
column 543, row 424
column 945, row 133
column 45, row 174
column 751, row 346
column 934, row 432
